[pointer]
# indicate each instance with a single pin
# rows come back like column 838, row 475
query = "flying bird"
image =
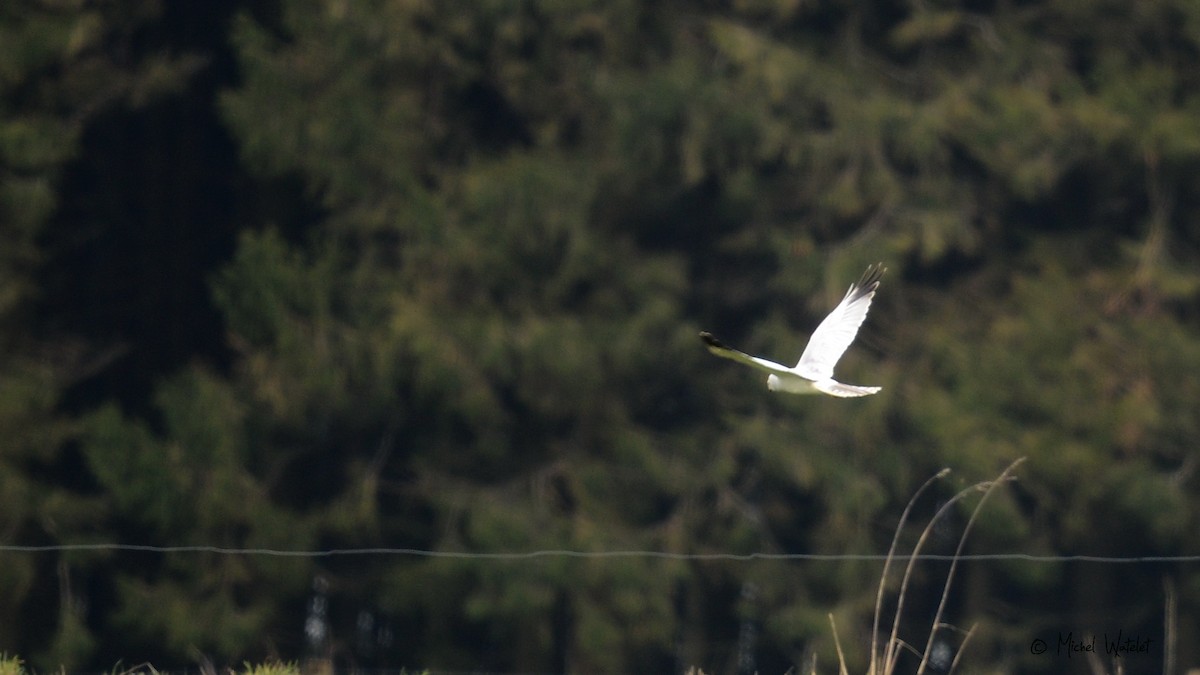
column 814, row 371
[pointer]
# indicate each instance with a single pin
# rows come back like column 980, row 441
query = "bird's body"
column 813, row 373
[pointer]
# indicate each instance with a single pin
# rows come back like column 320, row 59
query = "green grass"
column 13, row 665
column 276, row 668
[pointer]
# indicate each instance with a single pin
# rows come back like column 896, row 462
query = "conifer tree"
column 61, row 66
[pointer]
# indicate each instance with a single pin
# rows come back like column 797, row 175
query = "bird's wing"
column 834, row 388
column 837, row 331
column 720, row 349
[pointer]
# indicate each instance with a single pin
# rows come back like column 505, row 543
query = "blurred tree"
column 193, row 485
column 521, row 199
column 494, row 371
column 472, row 328
column 63, row 65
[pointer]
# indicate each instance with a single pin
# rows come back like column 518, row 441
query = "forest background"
column 311, row 275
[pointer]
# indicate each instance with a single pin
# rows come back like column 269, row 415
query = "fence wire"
column 565, row 553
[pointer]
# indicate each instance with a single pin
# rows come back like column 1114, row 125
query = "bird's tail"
column 834, row 388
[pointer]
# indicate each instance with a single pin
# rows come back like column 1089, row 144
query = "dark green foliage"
column 62, row 65
column 475, row 246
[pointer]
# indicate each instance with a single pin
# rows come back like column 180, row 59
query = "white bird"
column 814, row 371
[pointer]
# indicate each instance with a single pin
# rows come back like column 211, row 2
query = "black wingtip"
column 870, row 279
column 711, row 341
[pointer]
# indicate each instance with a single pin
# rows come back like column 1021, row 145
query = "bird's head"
column 773, row 382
